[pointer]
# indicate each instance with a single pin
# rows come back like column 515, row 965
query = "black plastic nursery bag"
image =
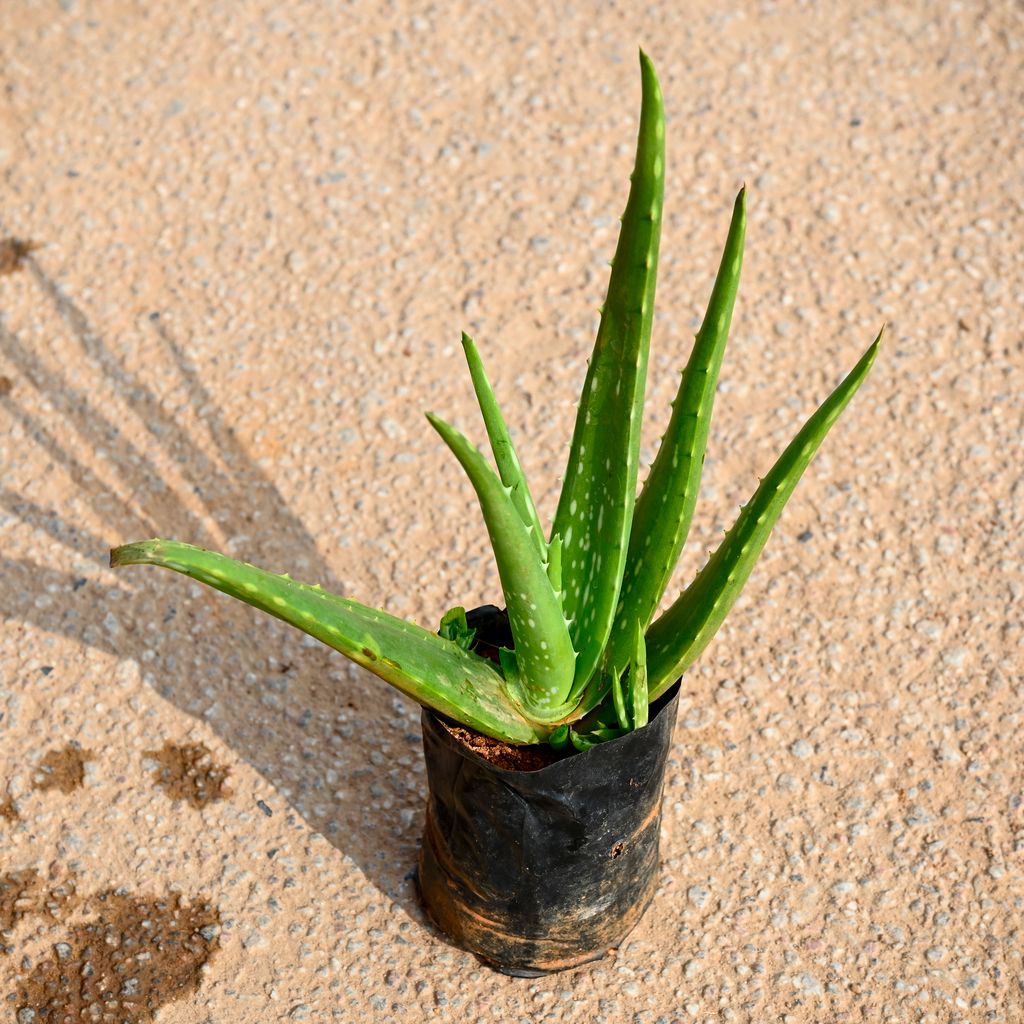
column 539, row 871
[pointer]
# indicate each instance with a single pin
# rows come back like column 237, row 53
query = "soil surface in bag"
column 538, row 871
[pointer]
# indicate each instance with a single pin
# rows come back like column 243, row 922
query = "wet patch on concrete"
column 134, row 956
column 18, row 891
column 189, row 772
column 8, row 812
column 13, row 252
column 24, row 894
column 62, row 769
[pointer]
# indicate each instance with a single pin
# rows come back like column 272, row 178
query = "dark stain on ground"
column 62, row 769
column 136, row 955
column 7, row 810
column 6, row 384
column 190, row 773
column 24, row 894
column 13, row 252
column 18, row 896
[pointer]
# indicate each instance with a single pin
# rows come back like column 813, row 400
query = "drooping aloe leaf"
column 505, row 458
column 543, row 649
column 596, row 504
column 431, row 670
column 664, row 509
column 678, row 637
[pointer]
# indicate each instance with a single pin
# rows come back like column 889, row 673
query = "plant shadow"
column 287, row 705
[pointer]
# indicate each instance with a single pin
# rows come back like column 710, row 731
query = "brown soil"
column 62, row 769
column 13, row 252
column 501, row 754
column 135, row 956
column 188, row 772
column 6, row 384
column 492, row 628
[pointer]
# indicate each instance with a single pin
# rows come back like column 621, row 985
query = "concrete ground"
column 261, row 226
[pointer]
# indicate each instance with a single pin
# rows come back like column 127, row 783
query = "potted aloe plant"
column 544, row 863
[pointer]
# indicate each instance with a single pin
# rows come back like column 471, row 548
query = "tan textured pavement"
column 262, row 227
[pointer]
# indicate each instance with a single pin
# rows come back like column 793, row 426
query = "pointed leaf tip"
column 594, row 521
column 679, row 636
column 543, row 646
column 665, row 507
column 507, row 461
column 649, row 77
column 132, row 554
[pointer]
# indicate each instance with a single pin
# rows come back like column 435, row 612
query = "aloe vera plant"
column 590, row 652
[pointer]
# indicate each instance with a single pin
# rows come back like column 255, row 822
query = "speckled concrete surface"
column 263, row 226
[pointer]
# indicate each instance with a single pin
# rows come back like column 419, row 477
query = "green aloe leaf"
column 679, row 636
column 637, row 680
column 619, row 701
column 431, row 670
column 595, row 509
column 582, row 741
column 559, row 738
column 661, row 519
column 454, row 627
column 555, row 565
column 543, row 650
column 588, row 740
column 505, row 458
column 629, row 697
